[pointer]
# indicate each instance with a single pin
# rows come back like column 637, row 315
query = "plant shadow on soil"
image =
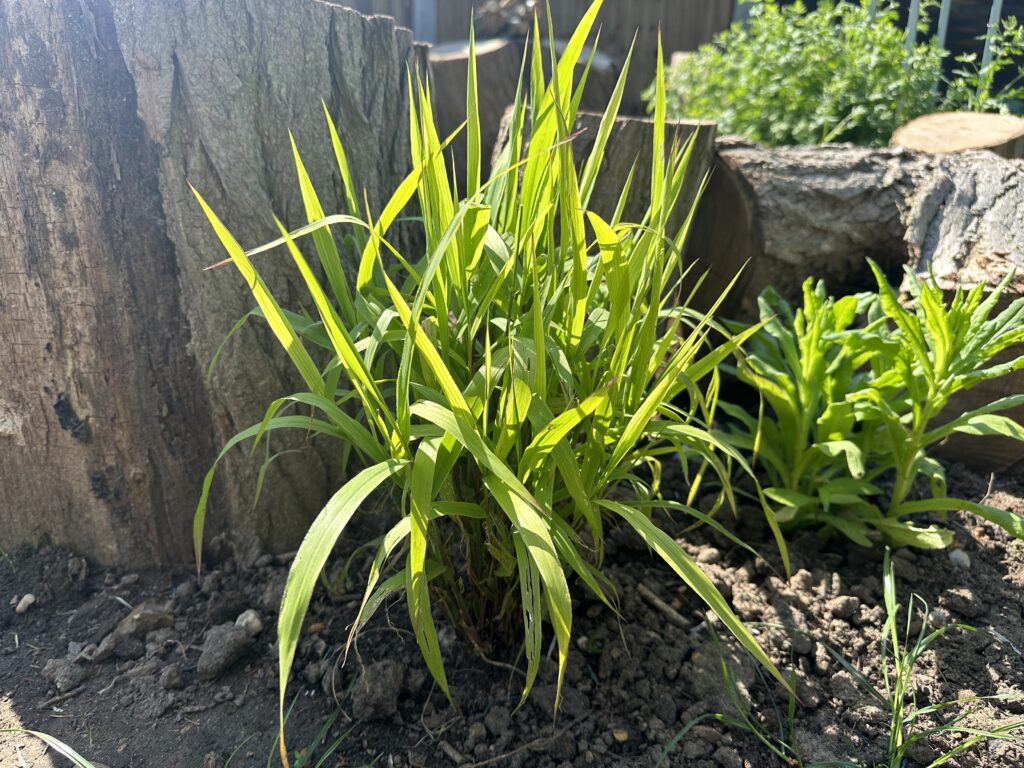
column 631, row 685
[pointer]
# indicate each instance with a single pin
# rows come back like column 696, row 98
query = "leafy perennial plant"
column 859, row 390
column 514, row 386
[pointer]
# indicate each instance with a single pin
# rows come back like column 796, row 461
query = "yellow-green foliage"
column 511, row 385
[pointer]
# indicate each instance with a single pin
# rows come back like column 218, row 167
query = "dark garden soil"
column 181, row 685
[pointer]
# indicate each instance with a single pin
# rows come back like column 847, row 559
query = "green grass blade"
column 310, row 559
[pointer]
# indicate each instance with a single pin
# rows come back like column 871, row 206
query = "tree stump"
column 107, row 321
column 630, row 143
column 958, row 131
column 821, row 211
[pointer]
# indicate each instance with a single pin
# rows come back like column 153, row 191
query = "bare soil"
column 634, row 681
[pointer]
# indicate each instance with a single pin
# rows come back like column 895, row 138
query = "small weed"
column 910, row 723
column 55, row 744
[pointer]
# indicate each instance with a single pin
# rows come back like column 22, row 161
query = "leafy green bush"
column 792, row 76
column 857, row 391
column 976, row 88
column 514, row 386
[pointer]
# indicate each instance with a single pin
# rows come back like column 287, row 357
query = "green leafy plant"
column 793, row 76
column 839, row 72
column 857, row 392
column 977, row 88
column 937, row 349
column 513, row 386
column 804, row 364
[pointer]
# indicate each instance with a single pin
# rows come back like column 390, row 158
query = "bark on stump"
column 630, row 143
column 498, row 61
column 106, row 319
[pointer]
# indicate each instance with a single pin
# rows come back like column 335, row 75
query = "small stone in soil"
column 961, row 600
column 709, row 555
column 170, row 677
column 95, row 619
column 250, row 621
column 375, row 694
column 960, row 559
column 146, row 617
column 727, row 757
column 938, row 618
column 25, row 603
column 222, row 647
column 497, row 720
column 210, row 583
column 64, row 674
column 129, row 648
column 186, row 589
column 477, row 735
column 105, row 649
column 225, row 606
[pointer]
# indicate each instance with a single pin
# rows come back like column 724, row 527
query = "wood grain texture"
column 958, row 131
column 684, row 26
column 106, row 319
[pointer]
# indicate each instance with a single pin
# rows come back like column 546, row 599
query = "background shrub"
column 833, row 74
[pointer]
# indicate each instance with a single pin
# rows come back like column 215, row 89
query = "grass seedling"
column 910, row 722
column 55, row 744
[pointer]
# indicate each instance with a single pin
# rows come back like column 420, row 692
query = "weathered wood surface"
column 631, row 142
column 498, row 62
column 821, row 211
column 958, row 131
column 109, row 109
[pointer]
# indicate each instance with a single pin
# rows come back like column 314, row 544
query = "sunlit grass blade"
column 310, row 560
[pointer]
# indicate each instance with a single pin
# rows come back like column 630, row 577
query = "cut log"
column 958, row 131
column 630, row 142
column 822, row 211
column 107, row 322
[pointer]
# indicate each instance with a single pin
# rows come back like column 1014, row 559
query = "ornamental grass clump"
column 513, row 386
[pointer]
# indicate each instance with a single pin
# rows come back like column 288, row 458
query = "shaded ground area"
column 190, row 680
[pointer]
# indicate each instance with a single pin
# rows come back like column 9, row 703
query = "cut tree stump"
column 822, row 211
column 107, row 321
column 944, row 132
column 498, row 62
